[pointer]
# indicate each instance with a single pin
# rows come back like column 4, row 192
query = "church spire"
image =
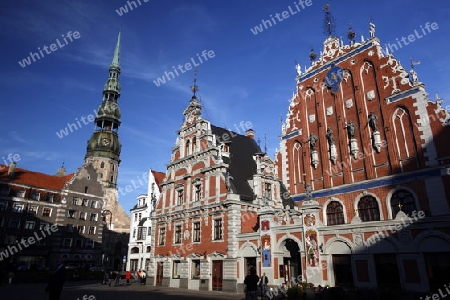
column 116, row 58
column 104, row 146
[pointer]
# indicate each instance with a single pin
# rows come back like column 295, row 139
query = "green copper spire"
column 116, row 59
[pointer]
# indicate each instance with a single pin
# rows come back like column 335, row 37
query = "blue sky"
column 251, row 78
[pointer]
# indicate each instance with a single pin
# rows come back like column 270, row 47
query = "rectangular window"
column 134, row 233
column 88, row 243
column 217, row 229
column 195, row 270
column 82, row 215
column 80, row 229
column 71, row 213
column 91, row 229
column 33, row 209
column 196, row 233
column 197, row 192
column 85, row 202
column 10, row 239
column 135, row 217
column 35, row 196
column 69, row 228
column 162, row 236
column 43, row 225
column 93, row 204
column 93, row 217
column 46, row 212
column 3, row 206
column 67, row 243
column 49, row 197
column 14, row 223
column 149, row 231
column 30, row 225
column 76, row 201
column 142, row 232
column 268, row 191
column 18, row 208
column 180, row 197
column 140, row 217
column 177, row 239
column 176, row 269
column 78, row 243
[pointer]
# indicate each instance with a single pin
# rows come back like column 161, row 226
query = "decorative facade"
column 377, row 170
column 208, row 208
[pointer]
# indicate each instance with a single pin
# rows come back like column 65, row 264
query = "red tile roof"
column 159, row 178
column 35, row 179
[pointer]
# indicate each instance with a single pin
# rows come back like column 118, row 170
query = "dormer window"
column 35, row 196
column 21, row 194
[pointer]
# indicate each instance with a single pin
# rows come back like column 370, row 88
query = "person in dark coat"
column 56, row 282
column 251, row 282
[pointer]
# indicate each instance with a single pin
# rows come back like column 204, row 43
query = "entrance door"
column 217, row 268
column 159, row 273
column 250, row 262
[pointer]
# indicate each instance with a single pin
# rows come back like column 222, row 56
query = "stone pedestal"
column 333, row 153
column 354, row 147
column 376, row 139
column 314, row 158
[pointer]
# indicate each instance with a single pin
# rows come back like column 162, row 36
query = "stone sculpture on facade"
column 314, row 155
column 331, row 143
column 376, row 136
column 353, row 142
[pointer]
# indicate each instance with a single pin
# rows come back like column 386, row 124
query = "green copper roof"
column 116, row 59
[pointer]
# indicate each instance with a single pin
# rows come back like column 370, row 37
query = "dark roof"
column 34, row 179
column 242, row 166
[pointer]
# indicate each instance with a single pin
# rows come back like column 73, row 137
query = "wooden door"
column 159, row 273
column 217, row 274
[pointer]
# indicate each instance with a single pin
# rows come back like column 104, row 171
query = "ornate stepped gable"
column 355, row 102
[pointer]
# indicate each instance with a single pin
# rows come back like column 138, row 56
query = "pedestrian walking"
column 128, row 276
column 143, row 277
column 263, row 285
column 117, row 283
column 56, row 282
column 10, row 277
column 251, row 283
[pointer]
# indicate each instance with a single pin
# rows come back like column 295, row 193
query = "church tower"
column 103, row 148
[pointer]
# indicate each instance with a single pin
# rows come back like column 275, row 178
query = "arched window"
column 188, row 145
column 368, row 209
column 404, row 200
column 134, row 250
column 102, row 165
column 194, row 145
column 335, row 213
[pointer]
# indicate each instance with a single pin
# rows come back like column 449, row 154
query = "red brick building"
column 363, row 158
column 209, row 205
column 362, row 132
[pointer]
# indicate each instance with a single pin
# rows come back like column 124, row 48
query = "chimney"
column 12, row 169
column 250, row 133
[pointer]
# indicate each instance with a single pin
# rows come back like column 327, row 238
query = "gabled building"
column 31, row 203
column 214, row 185
column 140, row 243
column 363, row 154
